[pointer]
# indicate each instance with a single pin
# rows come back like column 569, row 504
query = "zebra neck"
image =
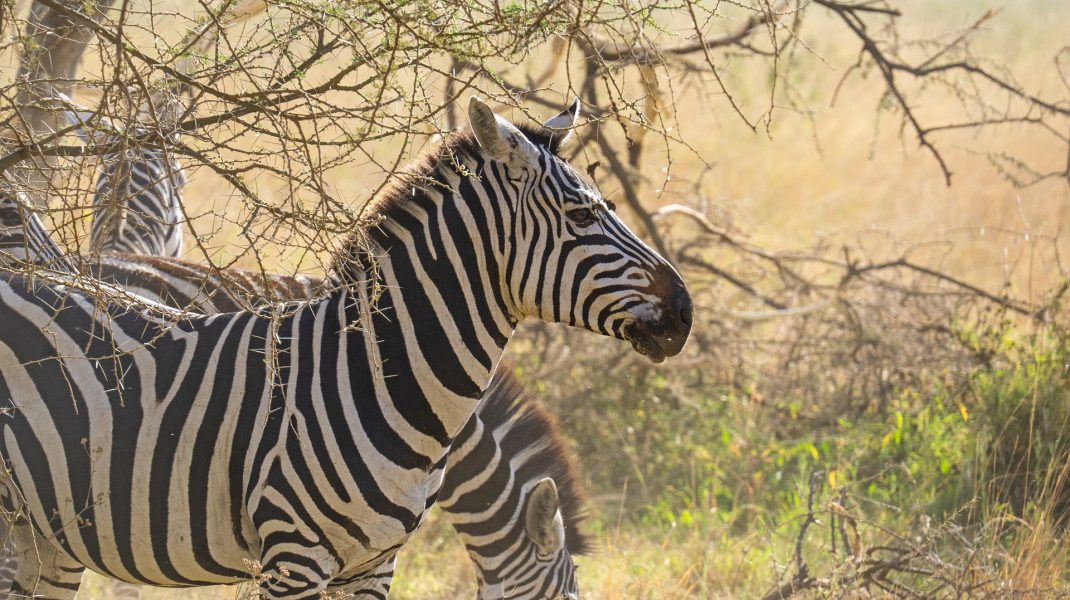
column 436, row 343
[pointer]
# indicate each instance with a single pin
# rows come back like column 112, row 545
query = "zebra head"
column 568, row 257
column 542, row 567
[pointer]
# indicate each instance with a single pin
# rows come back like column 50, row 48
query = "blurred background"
column 868, row 202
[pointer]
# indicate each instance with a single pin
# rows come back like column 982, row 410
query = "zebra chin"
column 651, row 342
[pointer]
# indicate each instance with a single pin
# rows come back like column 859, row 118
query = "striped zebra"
column 24, row 238
column 308, row 440
column 509, row 454
column 512, row 491
column 510, row 449
column 138, row 199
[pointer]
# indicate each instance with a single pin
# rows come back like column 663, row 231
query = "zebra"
column 508, row 434
column 513, row 494
column 24, row 238
column 309, row 439
column 138, row 199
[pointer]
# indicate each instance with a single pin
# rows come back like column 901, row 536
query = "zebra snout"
column 680, row 308
column 674, row 326
column 664, row 332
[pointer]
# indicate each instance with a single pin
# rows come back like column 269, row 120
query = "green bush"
column 1023, row 445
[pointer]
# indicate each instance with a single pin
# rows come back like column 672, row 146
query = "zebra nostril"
column 685, row 314
column 681, row 301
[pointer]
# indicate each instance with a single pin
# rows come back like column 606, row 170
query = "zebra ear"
column 565, row 120
column 500, row 139
column 542, row 519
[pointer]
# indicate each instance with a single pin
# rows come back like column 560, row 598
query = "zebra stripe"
column 512, row 492
column 310, row 437
column 24, row 238
column 22, row 231
column 200, row 288
column 503, row 415
column 138, row 204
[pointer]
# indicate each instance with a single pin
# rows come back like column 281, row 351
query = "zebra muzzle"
column 666, row 335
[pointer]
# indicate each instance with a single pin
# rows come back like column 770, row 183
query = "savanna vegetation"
column 867, row 200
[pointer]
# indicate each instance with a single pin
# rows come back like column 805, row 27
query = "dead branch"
column 889, row 67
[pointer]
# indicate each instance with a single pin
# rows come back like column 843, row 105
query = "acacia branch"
column 643, row 54
column 888, row 67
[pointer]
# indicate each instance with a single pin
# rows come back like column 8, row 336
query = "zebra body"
column 225, row 439
column 508, row 435
column 310, row 437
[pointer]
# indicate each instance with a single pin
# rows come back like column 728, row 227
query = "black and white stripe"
column 310, row 437
column 137, row 207
column 25, row 240
column 508, row 448
column 138, row 204
column 512, row 492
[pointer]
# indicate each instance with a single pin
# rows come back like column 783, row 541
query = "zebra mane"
column 410, row 184
column 517, row 418
column 448, row 154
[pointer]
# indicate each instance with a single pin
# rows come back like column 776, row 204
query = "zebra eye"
column 580, row 216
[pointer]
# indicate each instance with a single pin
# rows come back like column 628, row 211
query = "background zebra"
column 528, row 237
column 24, row 238
column 137, row 206
column 506, row 461
column 513, row 494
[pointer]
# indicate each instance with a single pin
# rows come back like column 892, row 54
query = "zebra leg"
column 43, row 571
column 368, row 586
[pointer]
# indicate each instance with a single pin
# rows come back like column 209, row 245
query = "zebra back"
column 24, row 238
column 201, row 288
